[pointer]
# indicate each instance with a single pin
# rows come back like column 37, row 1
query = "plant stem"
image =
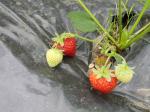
column 107, row 61
column 85, row 39
column 139, row 34
column 140, row 16
column 126, row 3
column 96, row 21
column 124, row 61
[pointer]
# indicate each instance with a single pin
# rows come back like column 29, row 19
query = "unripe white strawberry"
column 54, row 57
column 124, row 73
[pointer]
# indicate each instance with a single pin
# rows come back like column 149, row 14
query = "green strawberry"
column 124, row 73
column 54, row 57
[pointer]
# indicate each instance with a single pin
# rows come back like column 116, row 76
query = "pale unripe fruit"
column 54, row 57
column 125, row 78
column 124, row 73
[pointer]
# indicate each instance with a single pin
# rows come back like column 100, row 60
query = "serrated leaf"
column 82, row 21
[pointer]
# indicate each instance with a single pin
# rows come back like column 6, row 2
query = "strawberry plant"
column 108, row 66
column 117, row 37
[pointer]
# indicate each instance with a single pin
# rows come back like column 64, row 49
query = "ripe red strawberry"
column 69, row 46
column 99, row 81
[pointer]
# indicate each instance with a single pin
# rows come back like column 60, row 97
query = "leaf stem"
column 107, row 61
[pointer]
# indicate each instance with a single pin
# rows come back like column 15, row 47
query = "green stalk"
column 96, row 21
column 126, row 3
column 139, row 34
column 146, row 6
column 107, row 61
column 85, row 39
column 120, row 19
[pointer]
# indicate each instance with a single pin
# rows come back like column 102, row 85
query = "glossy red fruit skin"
column 69, row 47
column 102, row 84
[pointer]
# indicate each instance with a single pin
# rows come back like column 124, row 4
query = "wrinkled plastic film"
column 27, row 84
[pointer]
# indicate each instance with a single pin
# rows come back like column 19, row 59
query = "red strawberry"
column 67, row 43
column 69, row 46
column 99, row 81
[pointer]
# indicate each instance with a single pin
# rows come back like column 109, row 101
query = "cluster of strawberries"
column 105, row 79
column 102, row 78
column 63, row 45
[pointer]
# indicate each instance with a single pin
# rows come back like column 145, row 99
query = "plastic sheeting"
column 27, row 84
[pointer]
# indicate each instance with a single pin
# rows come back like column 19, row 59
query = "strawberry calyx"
column 59, row 39
column 103, row 72
column 67, row 35
column 123, row 69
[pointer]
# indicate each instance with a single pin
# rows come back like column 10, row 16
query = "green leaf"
column 78, row 14
column 82, row 21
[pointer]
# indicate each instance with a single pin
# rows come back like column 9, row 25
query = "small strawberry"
column 69, row 47
column 67, row 43
column 124, row 73
column 54, row 57
column 102, row 79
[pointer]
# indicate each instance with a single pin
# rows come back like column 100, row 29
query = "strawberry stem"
column 107, row 61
